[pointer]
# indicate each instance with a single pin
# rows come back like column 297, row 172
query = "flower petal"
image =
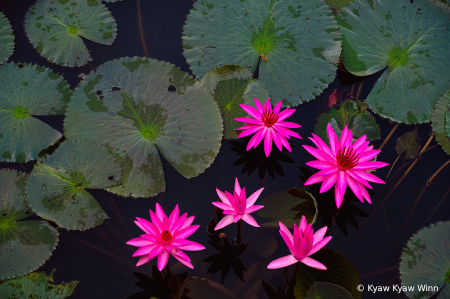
column 237, row 217
column 186, row 232
column 173, row 217
column 328, row 171
column 162, row 260
column 252, row 198
column 251, row 111
column 319, row 154
column 282, row 262
column 367, row 156
column 253, row 208
column 369, row 177
column 315, row 178
column 346, row 138
column 364, row 193
column 277, row 139
column 320, row 164
column 303, row 223
column 329, row 182
column 371, row 165
column 319, row 234
column 323, row 146
column 267, row 143
column 249, row 131
column 249, row 120
column 286, row 231
column 237, row 187
column 256, row 139
column 192, row 246
column 354, row 187
column 187, row 222
column 250, row 220
column 160, row 213
column 288, row 241
column 182, row 258
column 144, row 259
column 361, row 140
column 313, row 263
column 147, row 226
column 145, row 250
column 258, row 105
column 224, row 222
column 287, row 124
column 156, row 222
column 277, row 107
column 139, row 242
column 223, row 197
column 222, row 205
column 339, row 189
column 285, row 114
column 334, row 141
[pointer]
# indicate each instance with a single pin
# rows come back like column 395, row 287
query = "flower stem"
column 239, row 237
column 294, row 277
column 167, row 269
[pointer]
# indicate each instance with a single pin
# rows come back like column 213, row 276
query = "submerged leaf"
column 137, row 107
column 326, row 290
column 439, row 121
column 198, row 287
column 24, row 245
column 57, row 186
column 6, row 39
column 409, row 143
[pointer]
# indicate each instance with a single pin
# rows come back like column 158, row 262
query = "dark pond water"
column 99, row 257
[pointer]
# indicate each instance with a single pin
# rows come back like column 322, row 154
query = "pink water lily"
column 345, row 163
column 164, row 235
column 301, row 245
column 268, row 124
column 237, row 206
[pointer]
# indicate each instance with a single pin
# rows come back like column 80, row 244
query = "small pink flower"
column 164, row 235
column 344, row 163
column 301, row 245
column 236, row 206
column 268, row 124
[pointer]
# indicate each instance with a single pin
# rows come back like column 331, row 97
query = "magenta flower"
column 301, row 245
column 163, row 235
column 236, row 206
column 268, row 124
column 344, row 163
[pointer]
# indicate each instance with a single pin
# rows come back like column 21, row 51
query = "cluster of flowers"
column 342, row 163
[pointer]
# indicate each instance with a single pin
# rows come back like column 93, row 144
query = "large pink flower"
column 345, row 163
column 301, row 245
column 163, row 235
column 268, row 124
column 236, row 206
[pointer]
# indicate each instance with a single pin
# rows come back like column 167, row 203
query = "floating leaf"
column 57, row 186
column 25, row 245
column 339, row 271
column 326, row 290
column 294, row 36
column 26, row 91
column 351, row 114
column 126, row 105
column 36, row 286
column 338, row 4
column 55, row 29
column 204, row 288
column 409, row 142
column 6, row 39
column 230, row 86
column 425, row 262
column 411, row 41
column 439, row 121
column 288, row 206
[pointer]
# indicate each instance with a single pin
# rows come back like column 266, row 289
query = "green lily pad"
column 6, row 39
column 55, row 28
column 28, row 90
column 56, row 189
column 288, row 206
column 24, row 245
column 409, row 143
column 425, row 262
column 409, row 39
column 352, row 114
column 293, row 36
column 36, row 286
column 340, row 271
column 338, row 4
column 439, row 121
column 230, row 86
column 126, row 105
column 326, row 290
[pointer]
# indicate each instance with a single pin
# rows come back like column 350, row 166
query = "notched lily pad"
column 28, row 90
column 287, row 37
column 57, row 186
column 230, row 86
column 425, row 262
column 326, row 290
column 24, row 245
column 55, row 29
column 6, row 39
column 36, row 286
column 409, row 143
column 439, row 121
column 409, row 39
column 288, row 206
column 137, row 107
column 336, row 5
column 352, row 114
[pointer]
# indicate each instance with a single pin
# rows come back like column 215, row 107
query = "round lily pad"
column 24, row 245
column 230, row 86
column 410, row 41
column 297, row 43
column 439, row 121
column 340, row 271
column 139, row 106
column 6, row 39
column 56, row 189
column 26, row 91
column 55, row 29
column 37, row 286
column 288, row 206
column 352, row 114
column 326, row 290
column 338, row 4
column 425, row 262
column 409, row 143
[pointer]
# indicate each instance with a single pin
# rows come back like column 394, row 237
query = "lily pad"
column 425, row 262
column 199, row 287
column 410, row 41
column 340, row 271
column 6, row 39
column 56, row 189
column 338, row 4
column 55, row 28
column 288, row 206
column 36, row 286
column 352, row 114
column 126, row 105
column 298, row 41
column 230, row 86
column 409, row 143
column 439, row 121
column 326, row 290
column 26, row 91
column 24, row 245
